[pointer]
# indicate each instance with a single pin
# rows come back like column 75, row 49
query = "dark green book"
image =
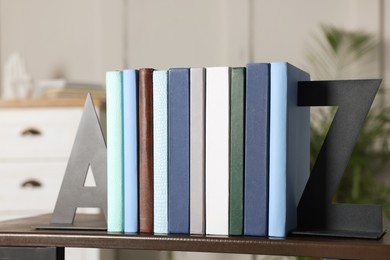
column 236, row 164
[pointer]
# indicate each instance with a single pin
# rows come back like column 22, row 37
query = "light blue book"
column 114, row 151
column 130, row 150
column 160, row 151
column 289, row 148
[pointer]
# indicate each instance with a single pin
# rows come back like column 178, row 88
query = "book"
column 197, row 151
column 178, row 151
column 237, row 119
column 130, row 150
column 289, row 148
column 257, row 149
column 114, row 152
column 217, row 150
column 160, row 150
column 145, row 152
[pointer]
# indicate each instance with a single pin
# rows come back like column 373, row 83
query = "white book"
column 197, row 151
column 217, row 150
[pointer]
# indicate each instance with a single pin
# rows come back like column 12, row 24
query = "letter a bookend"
column 317, row 215
column 89, row 151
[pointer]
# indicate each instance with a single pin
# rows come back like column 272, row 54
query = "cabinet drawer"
column 38, row 133
column 30, row 186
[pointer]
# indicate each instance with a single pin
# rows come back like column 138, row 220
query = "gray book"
column 197, row 151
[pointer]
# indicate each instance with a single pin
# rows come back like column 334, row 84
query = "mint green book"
column 114, row 85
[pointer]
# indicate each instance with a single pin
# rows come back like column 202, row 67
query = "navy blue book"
column 178, row 151
column 257, row 124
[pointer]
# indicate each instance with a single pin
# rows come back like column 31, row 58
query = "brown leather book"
column 145, row 121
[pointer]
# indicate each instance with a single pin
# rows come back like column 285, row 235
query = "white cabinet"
column 38, row 133
column 36, row 138
column 35, row 144
column 29, row 188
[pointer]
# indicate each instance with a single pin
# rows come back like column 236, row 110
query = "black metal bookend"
column 89, row 150
column 317, row 215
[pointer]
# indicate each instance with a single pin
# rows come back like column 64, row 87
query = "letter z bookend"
column 89, row 151
column 317, row 215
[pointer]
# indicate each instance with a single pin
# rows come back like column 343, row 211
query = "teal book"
column 236, row 181
column 130, row 151
column 160, row 150
column 289, row 148
column 114, row 151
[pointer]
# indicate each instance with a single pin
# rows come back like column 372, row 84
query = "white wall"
column 80, row 40
column 54, row 37
column 284, row 29
column 175, row 33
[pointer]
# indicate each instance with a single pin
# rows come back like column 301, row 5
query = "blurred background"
column 81, row 40
column 59, row 49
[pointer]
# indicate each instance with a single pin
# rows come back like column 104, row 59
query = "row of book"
column 219, row 150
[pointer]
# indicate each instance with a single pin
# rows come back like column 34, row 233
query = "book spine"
column 237, row 112
column 278, row 150
column 178, row 149
column 114, row 152
column 197, row 151
column 257, row 149
column 217, row 150
column 160, row 151
column 130, row 150
column 145, row 153
column 289, row 148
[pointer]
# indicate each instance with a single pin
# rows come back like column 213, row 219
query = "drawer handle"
column 31, row 132
column 31, row 184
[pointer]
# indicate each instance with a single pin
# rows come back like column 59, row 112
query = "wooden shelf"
column 19, row 233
